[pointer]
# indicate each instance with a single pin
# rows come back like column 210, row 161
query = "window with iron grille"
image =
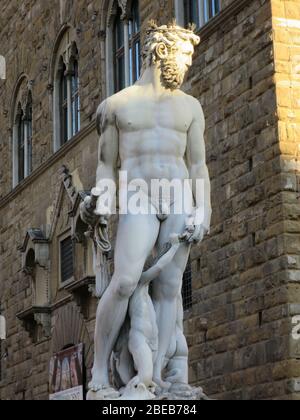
column 66, row 259
column 187, row 287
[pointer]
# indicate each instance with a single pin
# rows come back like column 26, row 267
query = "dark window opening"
column 192, row 12
column 64, row 105
column 75, row 100
column 134, row 48
column 67, row 259
column 21, row 148
column 200, row 12
column 119, row 53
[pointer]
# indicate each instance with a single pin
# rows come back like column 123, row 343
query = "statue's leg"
column 166, row 290
column 177, row 369
column 136, row 237
column 143, row 358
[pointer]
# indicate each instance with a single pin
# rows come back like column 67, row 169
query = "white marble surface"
column 151, row 130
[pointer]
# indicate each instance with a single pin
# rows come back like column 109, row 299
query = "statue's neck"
column 151, row 76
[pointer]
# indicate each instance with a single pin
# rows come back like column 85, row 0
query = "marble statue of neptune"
column 151, row 131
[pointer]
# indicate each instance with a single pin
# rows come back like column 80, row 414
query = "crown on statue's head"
column 170, row 27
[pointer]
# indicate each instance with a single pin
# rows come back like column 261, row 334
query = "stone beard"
column 171, row 74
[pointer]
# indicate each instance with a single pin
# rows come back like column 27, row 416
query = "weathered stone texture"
column 246, row 274
column 286, row 33
column 242, row 287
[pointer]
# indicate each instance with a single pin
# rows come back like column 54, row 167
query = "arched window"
column 124, row 40
column 196, row 11
column 66, row 101
column 22, row 135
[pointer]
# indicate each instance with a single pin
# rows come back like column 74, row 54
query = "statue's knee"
column 125, row 287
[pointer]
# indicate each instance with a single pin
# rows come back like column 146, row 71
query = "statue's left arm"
column 198, row 171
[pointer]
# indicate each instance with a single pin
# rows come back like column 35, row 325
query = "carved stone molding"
column 82, row 290
column 35, row 318
column 112, row 12
column 123, row 6
column 35, row 239
column 67, row 181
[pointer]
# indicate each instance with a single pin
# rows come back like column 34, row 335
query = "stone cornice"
column 46, row 165
column 217, row 22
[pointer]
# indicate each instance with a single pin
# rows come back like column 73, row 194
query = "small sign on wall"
column 66, row 374
column 2, row 328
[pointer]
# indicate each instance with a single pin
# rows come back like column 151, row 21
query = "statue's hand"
column 194, row 234
column 197, row 236
column 87, row 212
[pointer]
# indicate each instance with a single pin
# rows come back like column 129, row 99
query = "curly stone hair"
column 169, row 35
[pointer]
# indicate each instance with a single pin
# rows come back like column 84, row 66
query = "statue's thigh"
column 136, row 237
column 170, row 279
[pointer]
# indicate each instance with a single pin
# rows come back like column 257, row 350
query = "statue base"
column 184, row 393
column 103, row 394
column 177, row 392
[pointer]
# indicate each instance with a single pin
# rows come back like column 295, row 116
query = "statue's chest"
column 144, row 114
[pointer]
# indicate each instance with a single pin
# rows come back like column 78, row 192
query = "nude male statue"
column 153, row 131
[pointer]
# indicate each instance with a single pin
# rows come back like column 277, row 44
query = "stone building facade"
column 246, row 274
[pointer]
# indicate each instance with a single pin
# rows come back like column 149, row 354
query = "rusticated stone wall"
column 245, row 274
column 240, row 270
column 286, row 27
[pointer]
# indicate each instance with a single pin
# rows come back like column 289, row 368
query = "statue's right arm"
column 108, row 152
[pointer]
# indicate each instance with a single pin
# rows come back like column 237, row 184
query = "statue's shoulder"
column 195, row 106
column 105, row 114
column 192, row 100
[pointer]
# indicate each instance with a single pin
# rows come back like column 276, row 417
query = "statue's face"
column 184, row 56
column 175, row 63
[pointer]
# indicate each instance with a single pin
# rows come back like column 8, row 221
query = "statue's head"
column 171, row 48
